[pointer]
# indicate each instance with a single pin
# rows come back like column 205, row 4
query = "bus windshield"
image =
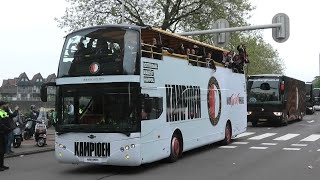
column 100, row 51
column 263, row 90
column 99, row 108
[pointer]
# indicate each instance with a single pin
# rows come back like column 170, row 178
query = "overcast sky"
column 32, row 42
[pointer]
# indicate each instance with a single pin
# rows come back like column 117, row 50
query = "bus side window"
column 152, row 108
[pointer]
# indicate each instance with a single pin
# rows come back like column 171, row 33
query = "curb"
column 46, row 149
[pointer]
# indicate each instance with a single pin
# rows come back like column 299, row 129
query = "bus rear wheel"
column 175, row 148
column 228, row 134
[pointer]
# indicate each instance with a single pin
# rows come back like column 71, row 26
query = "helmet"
column 32, row 107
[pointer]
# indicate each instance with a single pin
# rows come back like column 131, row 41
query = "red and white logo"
column 214, row 101
column 94, row 67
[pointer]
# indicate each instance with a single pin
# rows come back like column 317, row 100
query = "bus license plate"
column 93, row 160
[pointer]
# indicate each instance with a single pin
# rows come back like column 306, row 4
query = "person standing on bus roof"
column 4, row 129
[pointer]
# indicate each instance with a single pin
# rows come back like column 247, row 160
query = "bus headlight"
column 249, row 113
column 62, row 146
column 277, row 113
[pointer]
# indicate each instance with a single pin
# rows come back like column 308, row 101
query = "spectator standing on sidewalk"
column 10, row 137
column 4, row 129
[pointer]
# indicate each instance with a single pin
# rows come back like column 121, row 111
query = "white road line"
column 227, row 147
column 286, row 137
column 254, row 147
column 240, row 143
column 269, row 144
column 262, row 136
column 310, row 121
column 291, row 149
column 301, row 145
column 318, row 150
column 244, row 134
column 312, row 137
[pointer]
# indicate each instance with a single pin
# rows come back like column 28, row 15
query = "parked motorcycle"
column 29, row 129
column 40, row 134
column 17, row 135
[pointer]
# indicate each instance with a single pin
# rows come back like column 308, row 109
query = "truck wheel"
column 254, row 123
column 285, row 119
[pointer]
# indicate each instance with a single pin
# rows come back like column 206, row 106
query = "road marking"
column 269, row 144
column 262, row 136
column 318, row 150
column 254, row 147
column 310, row 121
column 244, row 134
column 301, row 145
column 227, row 147
column 286, row 137
column 240, row 143
column 312, row 137
column 291, row 149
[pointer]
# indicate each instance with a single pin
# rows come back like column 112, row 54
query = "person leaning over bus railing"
column 227, row 59
column 145, row 50
column 209, row 62
column 180, row 49
column 157, row 48
column 193, row 57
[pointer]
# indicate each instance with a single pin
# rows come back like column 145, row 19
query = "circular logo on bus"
column 214, row 101
column 94, row 67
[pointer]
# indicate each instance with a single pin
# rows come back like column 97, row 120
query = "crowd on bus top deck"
column 102, row 48
column 198, row 56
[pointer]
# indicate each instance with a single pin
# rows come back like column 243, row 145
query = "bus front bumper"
column 122, row 153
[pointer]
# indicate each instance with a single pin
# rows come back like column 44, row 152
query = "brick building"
column 24, row 89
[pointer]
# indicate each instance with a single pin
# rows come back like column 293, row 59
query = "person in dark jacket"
column 9, row 137
column 4, row 129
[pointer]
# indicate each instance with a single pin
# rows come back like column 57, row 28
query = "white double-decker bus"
column 127, row 95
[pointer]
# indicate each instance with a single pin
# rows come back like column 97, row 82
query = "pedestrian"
column 4, row 129
column 9, row 137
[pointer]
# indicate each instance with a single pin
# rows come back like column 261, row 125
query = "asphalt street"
column 264, row 152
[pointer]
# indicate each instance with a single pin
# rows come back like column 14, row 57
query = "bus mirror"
column 43, row 90
column 282, row 87
column 43, row 93
column 265, row 86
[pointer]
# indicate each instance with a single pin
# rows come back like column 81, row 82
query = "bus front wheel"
column 175, row 148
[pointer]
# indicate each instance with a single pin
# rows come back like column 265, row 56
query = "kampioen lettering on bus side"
column 183, row 102
column 92, row 149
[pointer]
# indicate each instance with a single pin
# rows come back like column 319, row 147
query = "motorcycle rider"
column 34, row 114
column 4, row 129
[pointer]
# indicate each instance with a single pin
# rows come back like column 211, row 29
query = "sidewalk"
column 30, row 147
